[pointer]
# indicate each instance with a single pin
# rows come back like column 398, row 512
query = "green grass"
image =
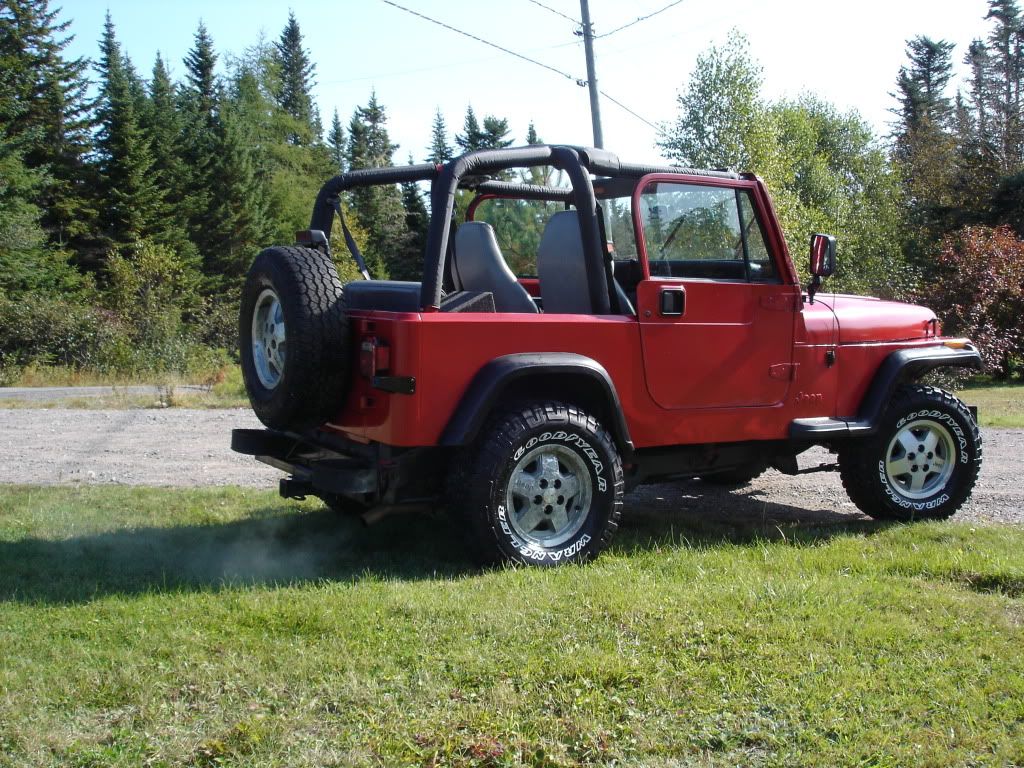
column 998, row 406
column 226, row 627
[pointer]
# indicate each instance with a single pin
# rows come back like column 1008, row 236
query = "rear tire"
column 921, row 464
column 294, row 338
column 542, row 486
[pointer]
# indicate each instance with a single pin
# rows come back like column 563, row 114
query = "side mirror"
column 823, row 255
column 823, row 262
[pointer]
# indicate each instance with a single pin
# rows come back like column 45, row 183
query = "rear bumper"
column 317, row 465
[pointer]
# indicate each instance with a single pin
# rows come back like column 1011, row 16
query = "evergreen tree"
column 53, row 125
column 238, row 215
column 1006, row 72
column 296, row 80
column 132, row 202
column 336, row 143
column 378, row 208
column 922, row 85
column 199, row 100
column 417, row 222
column 200, row 65
column 439, row 151
column 531, row 135
column 925, row 147
column 472, row 137
column 163, row 125
column 26, row 263
column 495, row 133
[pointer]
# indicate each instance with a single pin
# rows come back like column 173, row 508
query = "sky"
column 847, row 53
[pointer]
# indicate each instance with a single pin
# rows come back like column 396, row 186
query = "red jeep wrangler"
column 531, row 403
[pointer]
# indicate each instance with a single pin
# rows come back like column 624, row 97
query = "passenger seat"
column 477, row 265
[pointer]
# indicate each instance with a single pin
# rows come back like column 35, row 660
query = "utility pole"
column 588, row 47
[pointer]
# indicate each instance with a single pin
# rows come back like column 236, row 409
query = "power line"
column 639, row 19
column 557, row 13
column 634, row 114
column 566, row 75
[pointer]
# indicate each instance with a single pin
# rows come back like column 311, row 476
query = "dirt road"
column 182, row 447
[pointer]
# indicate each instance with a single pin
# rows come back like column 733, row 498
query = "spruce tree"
column 238, row 215
column 439, row 151
column 378, row 208
column 417, row 222
column 132, row 202
column 495, row 133
column 1006, row 79
column 531, row 135
column 472, row 137
column 163, row 125
column 199, row 100
column 53, row 125
column 336, row 144
column 296, row 80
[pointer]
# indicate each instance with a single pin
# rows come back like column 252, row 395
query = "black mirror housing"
column 823, row 255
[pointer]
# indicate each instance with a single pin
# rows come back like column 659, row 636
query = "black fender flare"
column 501, row 373
column 898, row 367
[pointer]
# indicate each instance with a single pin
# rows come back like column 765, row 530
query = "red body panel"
column 742, row 361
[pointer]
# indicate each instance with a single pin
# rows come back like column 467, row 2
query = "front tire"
column 542, row 486
column 921, row 464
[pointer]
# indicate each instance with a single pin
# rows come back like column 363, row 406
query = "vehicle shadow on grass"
column 694, row 512
column 280, row 545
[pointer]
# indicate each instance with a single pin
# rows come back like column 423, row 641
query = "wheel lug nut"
column 920, row 448
column 911, row 456
column 537, row 499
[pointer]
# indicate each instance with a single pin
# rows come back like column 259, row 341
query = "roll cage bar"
column 465, row 172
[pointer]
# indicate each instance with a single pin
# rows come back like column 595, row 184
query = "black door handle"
column 673, row 301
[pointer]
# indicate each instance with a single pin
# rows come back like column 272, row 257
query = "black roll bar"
column 577, row 162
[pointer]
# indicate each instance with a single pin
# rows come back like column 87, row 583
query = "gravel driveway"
column 182, row 447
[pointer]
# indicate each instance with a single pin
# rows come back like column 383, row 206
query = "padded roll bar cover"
column 593, row 248
column 442, row 203
column 323, row 211
column 524, row 191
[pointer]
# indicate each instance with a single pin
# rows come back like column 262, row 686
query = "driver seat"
column 477, row 265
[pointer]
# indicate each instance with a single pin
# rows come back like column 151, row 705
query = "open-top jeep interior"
column 533, row 248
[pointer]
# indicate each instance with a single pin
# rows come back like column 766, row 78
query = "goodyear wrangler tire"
column 542, row 486
column 922, row 463
column 294, row 338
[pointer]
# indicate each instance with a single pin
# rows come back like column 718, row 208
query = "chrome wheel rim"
column 920, row 459
column 268, row 339
column 549, row 495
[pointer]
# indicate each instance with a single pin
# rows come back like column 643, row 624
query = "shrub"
column 978, row 291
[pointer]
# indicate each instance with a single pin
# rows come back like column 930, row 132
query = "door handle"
column 672, row 301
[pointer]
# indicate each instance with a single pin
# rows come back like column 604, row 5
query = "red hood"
column 862, row 319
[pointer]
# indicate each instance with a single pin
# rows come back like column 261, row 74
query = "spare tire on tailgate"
column 294, row 338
